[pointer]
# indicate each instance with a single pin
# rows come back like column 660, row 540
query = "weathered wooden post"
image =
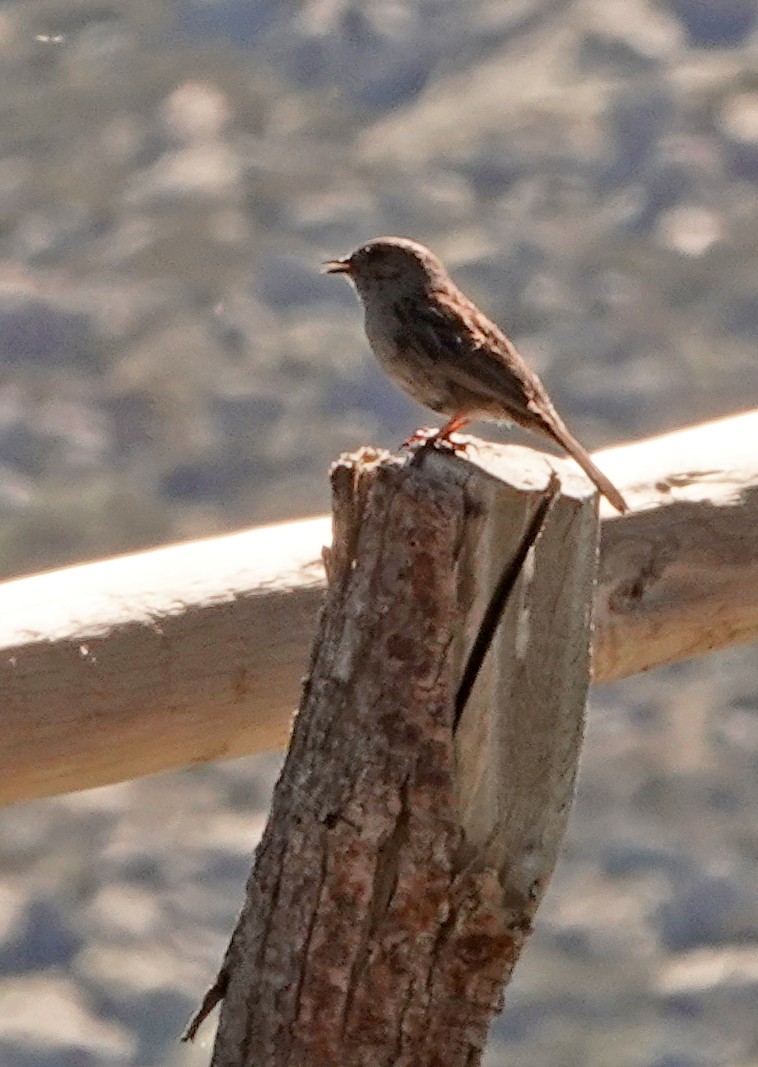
column 415, row 825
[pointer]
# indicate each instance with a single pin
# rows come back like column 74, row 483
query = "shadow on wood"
column 403, row 861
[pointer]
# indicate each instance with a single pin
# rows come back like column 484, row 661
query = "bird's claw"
column 427, row 437
column 421, row 437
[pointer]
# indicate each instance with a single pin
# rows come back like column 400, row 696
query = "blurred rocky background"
column 173, row 365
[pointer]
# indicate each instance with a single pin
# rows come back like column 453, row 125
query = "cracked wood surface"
column 195, row 652
column 402, row 864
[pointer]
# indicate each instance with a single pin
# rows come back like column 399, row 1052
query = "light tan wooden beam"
column 160, row 659
column 195, row 652
column 679, row 575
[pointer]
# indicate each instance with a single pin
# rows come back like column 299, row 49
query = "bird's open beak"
column 336, row 266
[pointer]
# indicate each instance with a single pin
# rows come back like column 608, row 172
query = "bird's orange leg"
column 438, row 436
column 451, row 426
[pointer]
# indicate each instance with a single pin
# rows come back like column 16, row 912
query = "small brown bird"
column 445, row 352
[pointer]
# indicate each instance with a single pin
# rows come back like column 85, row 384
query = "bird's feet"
column 422, row 437
column 438, row 436
column 427, row 437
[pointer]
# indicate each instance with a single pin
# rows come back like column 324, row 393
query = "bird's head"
column 395, row 261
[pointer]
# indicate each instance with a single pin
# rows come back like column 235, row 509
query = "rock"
column 36, row 333
column 709, row 910
column 738, row 122
column 715, row 23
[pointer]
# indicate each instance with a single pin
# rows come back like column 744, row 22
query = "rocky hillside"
column 171, row 174
column 172, row 364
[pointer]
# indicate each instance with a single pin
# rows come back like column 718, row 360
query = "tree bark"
column 404, row 859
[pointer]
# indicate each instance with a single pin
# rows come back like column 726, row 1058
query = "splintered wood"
column 403, row 861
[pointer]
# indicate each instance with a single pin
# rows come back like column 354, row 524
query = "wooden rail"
column 195, row 652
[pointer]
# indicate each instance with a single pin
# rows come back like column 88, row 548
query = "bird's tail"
column 564, row 438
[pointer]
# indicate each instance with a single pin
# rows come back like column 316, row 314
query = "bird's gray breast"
column 407, row 355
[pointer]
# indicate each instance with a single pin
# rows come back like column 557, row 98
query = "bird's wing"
column 476, row 356
column 432, row 333
column 483, row 368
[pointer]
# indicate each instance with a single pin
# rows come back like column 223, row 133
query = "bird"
column 437, row 345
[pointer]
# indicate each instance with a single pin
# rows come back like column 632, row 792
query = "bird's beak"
column 336, row 266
